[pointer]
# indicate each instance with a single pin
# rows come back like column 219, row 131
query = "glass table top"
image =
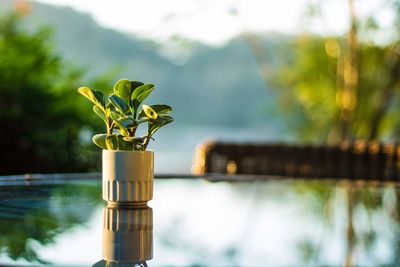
column 195, row 222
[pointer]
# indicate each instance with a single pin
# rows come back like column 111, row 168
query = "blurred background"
column 261, row 71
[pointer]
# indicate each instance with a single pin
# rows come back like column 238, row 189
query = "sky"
column 216, row 21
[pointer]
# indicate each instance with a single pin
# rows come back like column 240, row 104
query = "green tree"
column 338, row 88
column 40, row 116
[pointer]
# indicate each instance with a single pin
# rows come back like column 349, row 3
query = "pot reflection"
column 127, row 236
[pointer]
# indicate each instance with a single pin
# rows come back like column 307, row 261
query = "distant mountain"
column 212, row 86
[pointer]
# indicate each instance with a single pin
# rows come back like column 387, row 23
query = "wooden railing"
column 364, row 160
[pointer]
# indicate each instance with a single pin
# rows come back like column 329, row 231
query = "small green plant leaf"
column 109, row 105
column 123, row 89
column 124, row 132
column 109, row 108
column 119, row 104
column 128, row 122
column 135, row 84
column 148, row 88
column 141, row 92
column 134, row 138
column 100, row 140
column 112, row 142
column 161, row 108
column 164, row 117
column 100, row 113
column 136, row 142
column 158, row 108
column 95, row 97
column 149, row 112
column 114, row 116
column 161, row 121
column 124, row 145
column 123, row 122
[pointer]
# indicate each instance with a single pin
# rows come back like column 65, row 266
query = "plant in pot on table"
column 127, row 165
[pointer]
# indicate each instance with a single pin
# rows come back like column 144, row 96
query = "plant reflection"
column 39, row 214
column 127, row 236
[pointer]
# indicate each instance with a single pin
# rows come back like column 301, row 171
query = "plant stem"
column 146, row 143
column 108, row 125
column 111, row 127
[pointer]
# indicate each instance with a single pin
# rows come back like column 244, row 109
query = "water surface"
column 282, row 222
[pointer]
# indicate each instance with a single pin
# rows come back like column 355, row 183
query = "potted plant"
column 127, row 165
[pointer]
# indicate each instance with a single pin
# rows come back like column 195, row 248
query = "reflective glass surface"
column 194, row 222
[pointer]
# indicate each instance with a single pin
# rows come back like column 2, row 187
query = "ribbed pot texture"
column 128, row 177
column 127, row 235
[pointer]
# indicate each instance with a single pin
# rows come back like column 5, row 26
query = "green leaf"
column 100, row 140
column 124, row 145
column 135, row 84
column 114, row 116
column 135, row 105
column 100, row 113
column 166, row 117
column 137, row 143
column 124, row 132
column 112, row 142
column 148, row 88
column 140, row 93
column 161, row 121
column 110, row 105
column 161, row 108
column 124, row 122
column 109, row 108
column 158, row 108
column 123, row 89
column 134, row 138
column 94, row 96
column 149, row 112
column 127, row 122
column 119, row 104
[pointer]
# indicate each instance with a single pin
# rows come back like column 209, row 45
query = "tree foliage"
column 40, row 117
column 343, row 87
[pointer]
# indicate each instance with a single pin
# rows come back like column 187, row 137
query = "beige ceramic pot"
column 128, row 177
